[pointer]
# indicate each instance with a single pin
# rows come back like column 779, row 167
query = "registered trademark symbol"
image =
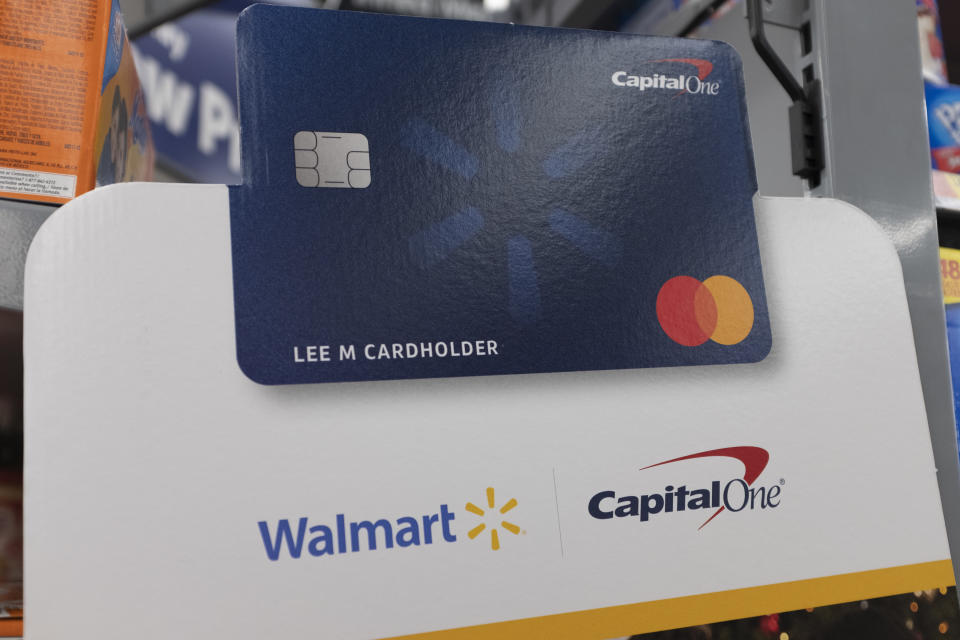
column 782, row 482
column 524, row 532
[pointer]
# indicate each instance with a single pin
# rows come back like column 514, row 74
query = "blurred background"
column 185, row 57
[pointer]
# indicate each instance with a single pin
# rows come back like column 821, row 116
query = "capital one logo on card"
column 734, row 495
column 683, row 83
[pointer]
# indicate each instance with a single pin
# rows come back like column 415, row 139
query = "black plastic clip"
column 806, row 127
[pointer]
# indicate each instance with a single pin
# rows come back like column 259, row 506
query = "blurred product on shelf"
column 72, row 115
column 943, row 118
column 946, row 189
column 931, row 42
column 943, row 102
column 950, row 272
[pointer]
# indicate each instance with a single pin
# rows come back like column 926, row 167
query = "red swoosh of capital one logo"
column 754, row 461
column 704, row 67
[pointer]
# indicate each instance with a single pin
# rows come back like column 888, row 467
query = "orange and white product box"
column 72, row 114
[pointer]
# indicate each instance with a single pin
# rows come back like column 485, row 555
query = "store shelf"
column 19, row 222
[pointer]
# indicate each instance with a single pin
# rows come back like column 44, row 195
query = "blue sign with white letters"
column 433, row 198
column 188, row 71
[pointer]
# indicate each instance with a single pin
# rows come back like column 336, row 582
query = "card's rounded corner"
column 253, row 374
column 764, row 350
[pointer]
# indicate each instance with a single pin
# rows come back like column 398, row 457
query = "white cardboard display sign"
column 158, row 475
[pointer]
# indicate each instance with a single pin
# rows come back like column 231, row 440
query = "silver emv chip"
column 332, row 160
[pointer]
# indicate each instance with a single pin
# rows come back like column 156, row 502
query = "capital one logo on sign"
column 723, row 494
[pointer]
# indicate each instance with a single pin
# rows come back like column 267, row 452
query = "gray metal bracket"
column 806, row 128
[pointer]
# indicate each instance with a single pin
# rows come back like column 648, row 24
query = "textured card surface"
column 432, row 198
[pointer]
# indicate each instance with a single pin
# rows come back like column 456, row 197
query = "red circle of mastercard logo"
column 692, row 312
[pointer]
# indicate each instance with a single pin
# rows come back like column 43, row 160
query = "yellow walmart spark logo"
column 494, row 515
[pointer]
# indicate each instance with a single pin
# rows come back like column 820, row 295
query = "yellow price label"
column 950, row 274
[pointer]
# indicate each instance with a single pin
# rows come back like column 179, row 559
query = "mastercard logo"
column 692, row 312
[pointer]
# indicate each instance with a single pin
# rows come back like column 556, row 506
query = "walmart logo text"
column 363, row 535
column 296, row 537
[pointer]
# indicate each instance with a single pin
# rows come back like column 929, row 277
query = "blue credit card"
column 432, row 198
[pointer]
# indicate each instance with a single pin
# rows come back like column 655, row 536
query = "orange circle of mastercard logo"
column 692, row 312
